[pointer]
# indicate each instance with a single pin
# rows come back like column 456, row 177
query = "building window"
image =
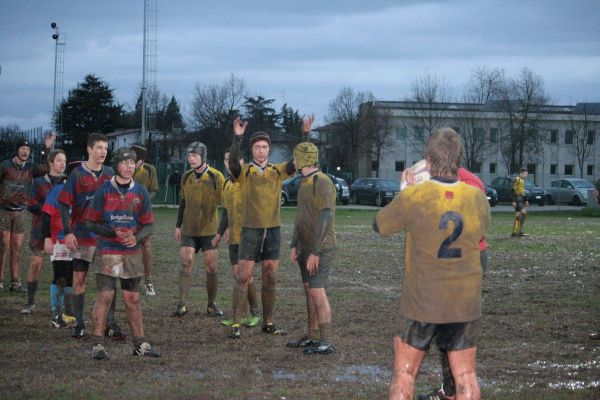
column 590, row 137
column 492, row 168
column 554, row 136
column 374, row 165
column 569, row 137
column 494, row 135
column 553, row 169
column 400, row 166
column 419, row 133
column 531, row 168
column 590, row 169
column 568, row 169
column 401, row 133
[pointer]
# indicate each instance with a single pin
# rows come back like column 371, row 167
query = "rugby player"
column 442, row 257
column 197, row 223
column 121, row 215
column 519, row 202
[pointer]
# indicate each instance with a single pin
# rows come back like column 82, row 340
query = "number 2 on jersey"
column 445, row 251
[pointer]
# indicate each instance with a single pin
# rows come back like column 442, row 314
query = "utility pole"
column 59, row 45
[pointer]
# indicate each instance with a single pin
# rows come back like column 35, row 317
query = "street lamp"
column 55, row 36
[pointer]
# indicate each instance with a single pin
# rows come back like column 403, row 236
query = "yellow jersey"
column 202, row 196
column 146, row 176
column 232, row 201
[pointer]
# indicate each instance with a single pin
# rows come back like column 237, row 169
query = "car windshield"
column 388, row 184
column 583, row 184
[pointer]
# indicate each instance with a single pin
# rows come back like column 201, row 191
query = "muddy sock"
column 239, row 300
column 268, row 303
column 69, row 301
column 31, row 289
column 522, row 222
column 253, row 299
column 185, row 279
column 448, row 380
column 212, row 283
column 314, row 333
column 516, row 225
column 78, row 302
column 110, row 319
column 325, row 331
column 54, row 298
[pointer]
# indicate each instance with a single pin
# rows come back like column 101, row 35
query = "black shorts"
column 203, row 243
column 520, row 203
column 108, row 283
column 233, row 254
column 260, row 244
column 80, row 265
column 321, row 278
column 454, row 336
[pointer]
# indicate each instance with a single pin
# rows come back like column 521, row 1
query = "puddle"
column 280, row 375
column 359, row 373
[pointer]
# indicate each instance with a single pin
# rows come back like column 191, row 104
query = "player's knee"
column 243, row 278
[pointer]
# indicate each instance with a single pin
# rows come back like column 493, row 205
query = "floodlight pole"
column 55, row 36
column 144, row 76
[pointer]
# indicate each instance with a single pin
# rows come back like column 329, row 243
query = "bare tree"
column 584, row 126
column 344, row 117
column 521, row 103
column 213, row 108
column 483, row 85
column 428, row 93
column 378, row 130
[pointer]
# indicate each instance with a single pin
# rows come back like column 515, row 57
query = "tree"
column 378, row 129
column 172, row 118
column 348, row 132
column 214, row 107
column 9, row 134
column 482, row 86
column 90, row 107
column 291, row 121
column 428, row 92
column 584, row 127
column 260, row 114
column 521, row 103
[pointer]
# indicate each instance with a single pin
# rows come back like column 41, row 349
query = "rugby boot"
column 251, row 321
column 1, row 285
column 70, row 320
column 302, row 343
column 16, row 286
column 213, row 311
column 181, row 310
column 150, row 290
column 145, row 349
column 78, row 332
column 235, row 332
column 321, row 348
column 114, row 332
column 594, row 335
column 58, row 322
column 28, row 309
column 99, row 352
column 437, row 394
column 271, row 329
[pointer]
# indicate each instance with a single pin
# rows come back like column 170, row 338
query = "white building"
column 566, row 132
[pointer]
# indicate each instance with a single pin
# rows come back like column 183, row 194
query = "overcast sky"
column 299, row 52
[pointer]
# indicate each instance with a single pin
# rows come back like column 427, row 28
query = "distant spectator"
column 174, row 182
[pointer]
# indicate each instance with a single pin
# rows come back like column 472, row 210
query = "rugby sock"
column 212, row 283
column 517, row 225
column 448, row 385
column 61, row 297
column 54, row 298
column 185, row 278
column 314, row 333
column 522, row 222
column 137, row 341
column 268, row 302
column 110, row 319
column 31, row 289
column 78, row 302
column 253, row 298
column 325, row 331
column 239, row 297
column 69, row 301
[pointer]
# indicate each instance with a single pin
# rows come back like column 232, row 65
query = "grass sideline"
column 541, row 298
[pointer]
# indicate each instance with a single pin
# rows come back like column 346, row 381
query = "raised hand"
column 49, row 139
column 307, row 122
column 239, row 127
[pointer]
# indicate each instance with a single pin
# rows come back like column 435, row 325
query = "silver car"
column 572, row 190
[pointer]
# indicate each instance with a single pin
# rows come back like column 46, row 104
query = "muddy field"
column 541, row 299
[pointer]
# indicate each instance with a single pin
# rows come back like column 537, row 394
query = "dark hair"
column 522, row 170
column 444, row 150
column 96, row 137
column 52, row 155
column 140, row 151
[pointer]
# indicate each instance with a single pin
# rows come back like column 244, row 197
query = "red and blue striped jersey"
column 115, row 209
column 39, row 190
column 51, row 207
column 77, row 194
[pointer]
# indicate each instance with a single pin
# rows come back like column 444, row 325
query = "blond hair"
column 444, row 151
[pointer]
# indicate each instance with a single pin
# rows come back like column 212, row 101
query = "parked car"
column 491, row 195
column 533, row 193
column 378, row 191
column 573, row 191
column 289, row 189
